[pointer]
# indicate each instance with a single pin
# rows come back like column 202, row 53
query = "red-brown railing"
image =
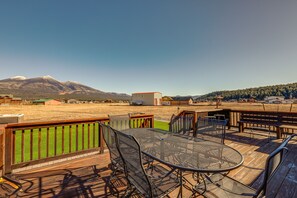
column 34, row 143
column 193, row 116
column 1, row 147
column 233, row 116
column 181, row 123
column 282, row 118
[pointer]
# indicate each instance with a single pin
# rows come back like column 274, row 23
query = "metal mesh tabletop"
column 186, row 153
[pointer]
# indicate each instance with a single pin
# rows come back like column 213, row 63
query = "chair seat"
column 163, row 182
column 218, row 185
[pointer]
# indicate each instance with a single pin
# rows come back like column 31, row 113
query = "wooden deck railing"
column 233, row 116
column 34, row 143
column 181, row 123
column 281, row 118
column 178, row 122
column 1, row 148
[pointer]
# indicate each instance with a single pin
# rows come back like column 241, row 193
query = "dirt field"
column 75, row 111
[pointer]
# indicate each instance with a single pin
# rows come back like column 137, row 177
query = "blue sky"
column 175, row 47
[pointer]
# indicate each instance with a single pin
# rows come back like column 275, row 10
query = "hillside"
column 48, row 87
column 259, row 93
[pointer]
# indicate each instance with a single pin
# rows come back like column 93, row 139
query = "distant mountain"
column 259, row 93
column 48, row 87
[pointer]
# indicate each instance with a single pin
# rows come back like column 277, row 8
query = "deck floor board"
column 88, row 176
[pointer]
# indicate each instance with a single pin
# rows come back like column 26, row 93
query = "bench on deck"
column 279, row 121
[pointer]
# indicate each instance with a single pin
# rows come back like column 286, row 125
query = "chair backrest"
column 119, row 122
column 211, row 129
column 110, row 141
column 272, row 164
column 131, row 154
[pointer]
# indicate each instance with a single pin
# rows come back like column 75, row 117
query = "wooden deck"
column 88, row 176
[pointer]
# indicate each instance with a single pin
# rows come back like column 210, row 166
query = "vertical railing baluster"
column 31, row 144
column 63, row 139
column 94, row 127
column 76, row 139
column 88, row 135
column 55, row 143
column 39, row 143
column 23, row 146
column 13, row 147
column 47, row 141
column 70, row 138
column 83, row 136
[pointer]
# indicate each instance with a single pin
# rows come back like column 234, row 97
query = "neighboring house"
column 46, row 101
column 179, row 100
column 166, row 100
column 9, row 99
column 72, row 101
column 108, row 101
column 147, row 98
column 274, row 99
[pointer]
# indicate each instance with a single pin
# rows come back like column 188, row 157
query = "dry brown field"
column 34, row 113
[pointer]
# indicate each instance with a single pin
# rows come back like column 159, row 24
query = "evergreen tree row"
column 259, row 93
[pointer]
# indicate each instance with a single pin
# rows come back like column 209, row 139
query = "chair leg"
column 200, row 179
column 129, row 191
column 6, row 183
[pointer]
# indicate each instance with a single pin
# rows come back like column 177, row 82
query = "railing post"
column 195, row 119
column 1, row 149
column 101, row 142
column 278, row 131
column 229, row 118
column 152, row 122
column 7, row 154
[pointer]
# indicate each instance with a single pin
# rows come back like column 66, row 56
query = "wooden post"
column 240, row 127
column 195, row 119
column 101, row 141
column 278, row 132
column 7, row 154
column 152, row 122
column 229, row 118
column 1, row 148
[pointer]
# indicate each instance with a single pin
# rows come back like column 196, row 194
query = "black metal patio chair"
column 120, row 122
column 219, row 185
column 158, row 183
column 211, row 129
column 117, row 165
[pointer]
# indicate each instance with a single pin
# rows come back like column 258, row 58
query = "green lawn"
column 82, row 134
column 161, row 125
column 43, row 144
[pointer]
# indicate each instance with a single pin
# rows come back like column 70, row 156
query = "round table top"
column 185, row 152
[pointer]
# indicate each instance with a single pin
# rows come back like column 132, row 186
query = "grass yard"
column 52, row 144
column 161, row 125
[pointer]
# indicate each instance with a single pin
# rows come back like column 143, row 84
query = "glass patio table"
column 185, row 153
